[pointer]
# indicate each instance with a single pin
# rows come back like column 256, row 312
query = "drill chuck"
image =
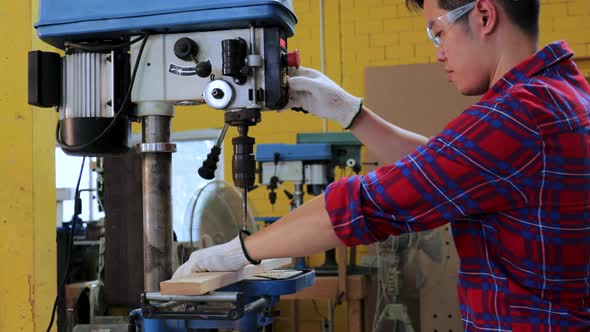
column 244, row 162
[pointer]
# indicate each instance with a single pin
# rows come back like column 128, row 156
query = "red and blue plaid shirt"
column 512, row 176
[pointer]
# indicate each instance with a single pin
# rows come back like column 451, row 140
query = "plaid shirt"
column 512, row 176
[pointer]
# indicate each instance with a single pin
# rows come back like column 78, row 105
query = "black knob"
column 207, row 170
column 204, row 69
column 217, row 93
column 186, row 49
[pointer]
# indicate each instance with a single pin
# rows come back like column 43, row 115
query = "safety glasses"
column 436, row 26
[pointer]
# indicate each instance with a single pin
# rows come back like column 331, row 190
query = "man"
column 511, row 174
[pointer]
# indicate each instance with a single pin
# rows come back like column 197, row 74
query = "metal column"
column 157, row 152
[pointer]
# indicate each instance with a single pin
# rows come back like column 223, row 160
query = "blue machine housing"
column 83, row 20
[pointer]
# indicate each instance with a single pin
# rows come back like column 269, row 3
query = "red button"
column 293, row 59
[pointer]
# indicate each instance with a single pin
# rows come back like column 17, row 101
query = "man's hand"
column 316, row 93
column 224, row 257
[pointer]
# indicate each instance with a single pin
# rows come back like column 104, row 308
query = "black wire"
column 102, row 48
column 62, row 284
column 117, row 115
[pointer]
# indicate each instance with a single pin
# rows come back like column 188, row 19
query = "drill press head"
column 216, row 53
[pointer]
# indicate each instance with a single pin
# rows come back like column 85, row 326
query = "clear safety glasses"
column 436, row 26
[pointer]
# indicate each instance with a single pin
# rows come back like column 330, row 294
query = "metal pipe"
column 254, row 77
column 168, row 305
column 157, row 203
column 211, row 297
column 90, row 186
column 298, row 194
column 245, row 209
column 322, row 42
column 255, row 305
column 299, row 262
column 323, row 53
column 221, row 137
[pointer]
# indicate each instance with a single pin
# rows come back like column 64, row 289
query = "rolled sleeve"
column 344, row 205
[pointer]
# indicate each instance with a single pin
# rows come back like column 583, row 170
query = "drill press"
column 312, row 162
column 135, row 60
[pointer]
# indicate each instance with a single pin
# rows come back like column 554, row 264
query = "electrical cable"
column 62, row 284
column 100, row 136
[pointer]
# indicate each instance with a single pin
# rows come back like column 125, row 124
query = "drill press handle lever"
column 207, row 170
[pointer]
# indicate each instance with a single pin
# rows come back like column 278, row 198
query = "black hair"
column 523, row 13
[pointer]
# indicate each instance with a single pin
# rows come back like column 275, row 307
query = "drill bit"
column 245, row 209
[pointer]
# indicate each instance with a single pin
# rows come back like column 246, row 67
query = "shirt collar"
column 548, row 56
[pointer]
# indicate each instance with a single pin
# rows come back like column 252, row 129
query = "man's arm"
column 387, row 141
column 305, row 231
column 308, row 229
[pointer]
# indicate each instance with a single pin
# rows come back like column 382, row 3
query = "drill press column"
column 157, row 197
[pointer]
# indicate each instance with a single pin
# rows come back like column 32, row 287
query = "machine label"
column 182, row 71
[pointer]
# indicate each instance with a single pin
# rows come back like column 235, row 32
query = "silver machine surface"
column 170, row 79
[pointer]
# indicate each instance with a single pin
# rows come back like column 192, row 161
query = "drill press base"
column 243, row 306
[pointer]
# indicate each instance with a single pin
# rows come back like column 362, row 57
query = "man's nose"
column 441, row 56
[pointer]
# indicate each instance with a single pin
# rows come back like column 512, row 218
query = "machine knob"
column 293, row 59
column 204, row 69
column 186, row 49
column 217, row 93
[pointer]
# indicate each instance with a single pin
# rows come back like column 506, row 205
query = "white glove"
column 224, row 257
column 316, row 93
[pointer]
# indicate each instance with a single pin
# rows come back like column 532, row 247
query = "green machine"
column 346, row 157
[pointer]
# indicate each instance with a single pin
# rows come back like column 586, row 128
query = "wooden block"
column 204, row 282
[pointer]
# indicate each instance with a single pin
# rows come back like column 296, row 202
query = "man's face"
column 460, row 51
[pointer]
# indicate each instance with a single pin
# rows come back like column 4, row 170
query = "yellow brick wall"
column 384, row 32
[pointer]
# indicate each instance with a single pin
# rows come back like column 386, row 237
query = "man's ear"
column 486, row 13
